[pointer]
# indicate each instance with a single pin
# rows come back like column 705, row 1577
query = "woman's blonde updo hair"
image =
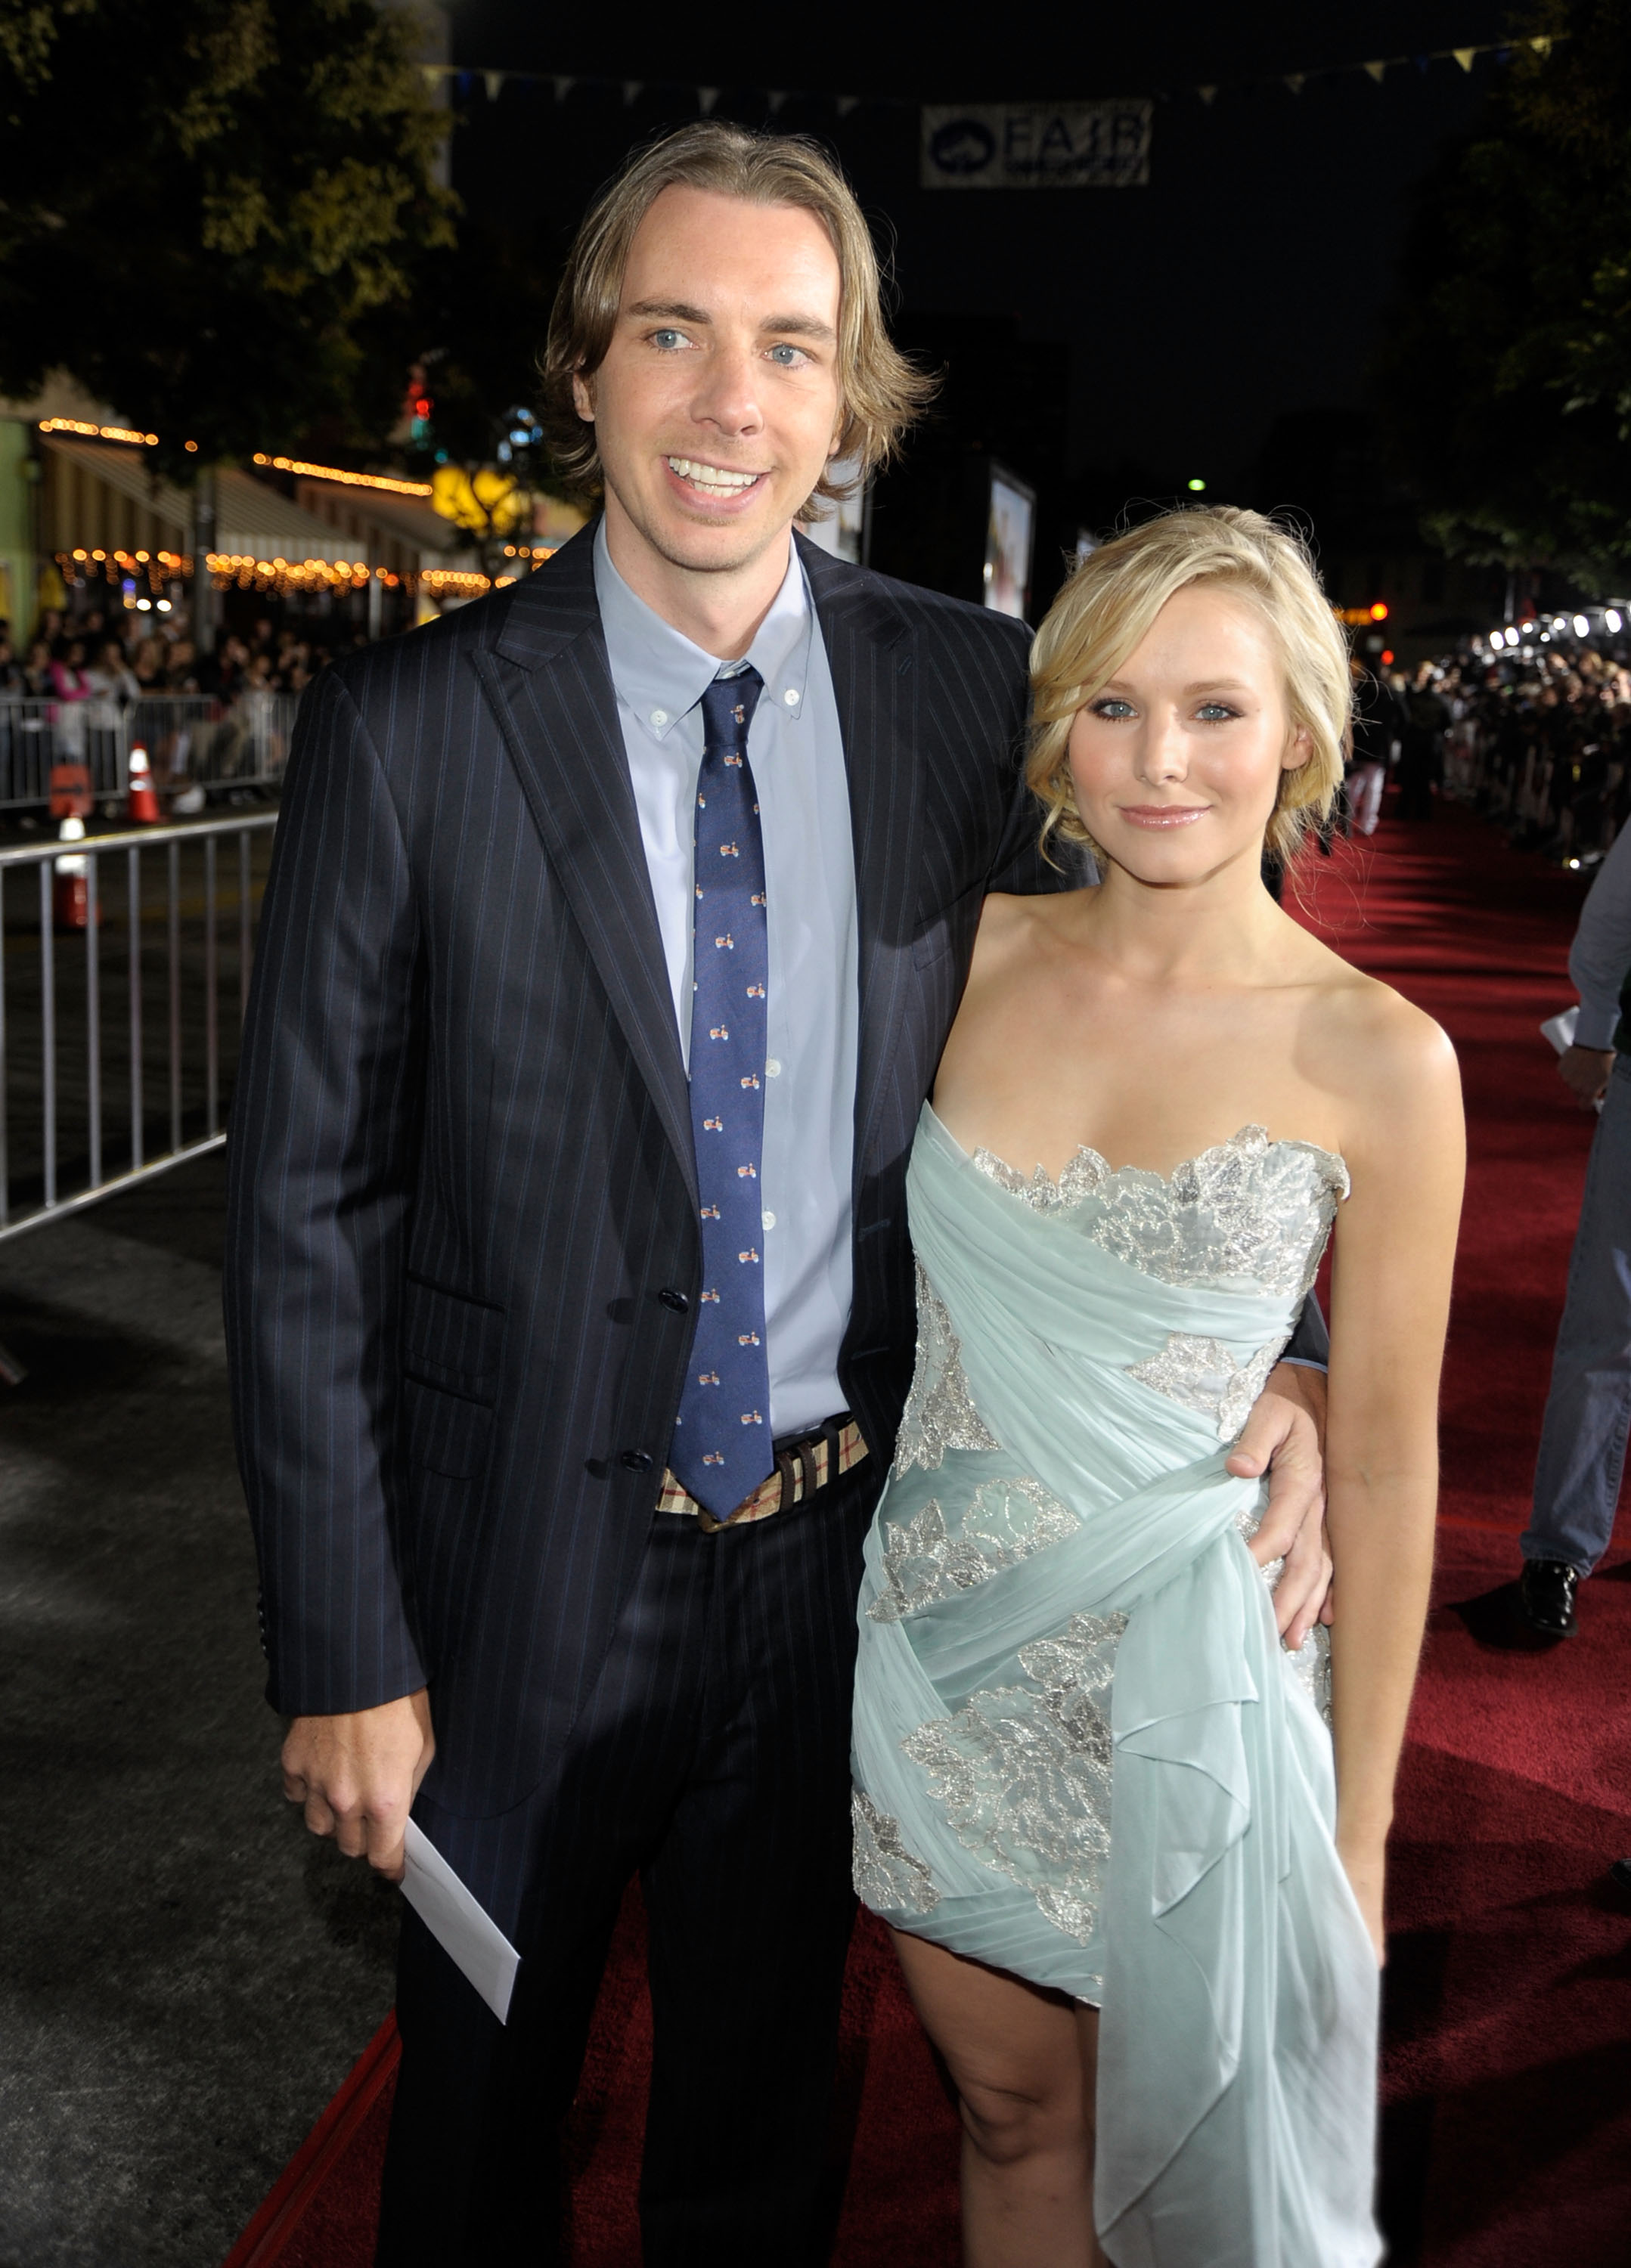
column 1107, row 608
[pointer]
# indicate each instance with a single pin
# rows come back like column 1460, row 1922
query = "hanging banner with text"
column 1036, row 145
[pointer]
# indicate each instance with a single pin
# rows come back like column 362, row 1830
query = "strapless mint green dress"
column 1081, row 1753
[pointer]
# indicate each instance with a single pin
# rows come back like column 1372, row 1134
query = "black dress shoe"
column 1546, row 1591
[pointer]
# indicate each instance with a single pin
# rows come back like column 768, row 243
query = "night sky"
column 1245, row 282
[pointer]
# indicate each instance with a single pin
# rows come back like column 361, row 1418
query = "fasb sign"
column 1036, row 145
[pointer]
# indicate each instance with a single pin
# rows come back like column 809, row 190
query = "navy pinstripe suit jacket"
column 461, row 1157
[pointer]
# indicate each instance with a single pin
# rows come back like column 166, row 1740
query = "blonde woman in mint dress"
column 1130, row 1848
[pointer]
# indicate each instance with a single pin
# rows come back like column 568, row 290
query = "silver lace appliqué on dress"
column 1084, row 1177
column 1007, row 1522
column 888, row 1878
column 939, row 1412
column 1247, row 1209
column 1023, row 1772
column 1204, row 1376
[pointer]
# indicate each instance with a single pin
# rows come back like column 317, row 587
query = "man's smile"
column 717, row 481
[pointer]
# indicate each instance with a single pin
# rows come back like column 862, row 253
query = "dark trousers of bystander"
column 714, row 1760
column 1588, row 1414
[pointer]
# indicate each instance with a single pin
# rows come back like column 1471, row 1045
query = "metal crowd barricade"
column 193, row 742
column 112, row 1061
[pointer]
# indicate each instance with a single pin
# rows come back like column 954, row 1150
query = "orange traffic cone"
column 143, row 810
column 70, row 892
column 71, row 791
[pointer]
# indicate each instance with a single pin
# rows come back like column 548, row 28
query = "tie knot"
column 727, row 707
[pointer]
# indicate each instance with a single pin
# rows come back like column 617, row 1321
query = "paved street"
column 185, row 1977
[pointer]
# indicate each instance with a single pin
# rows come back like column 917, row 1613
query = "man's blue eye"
column 666, row 338
column 785, row 354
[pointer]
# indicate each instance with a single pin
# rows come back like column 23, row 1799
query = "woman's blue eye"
column 1212, row 712
column 1112, row 709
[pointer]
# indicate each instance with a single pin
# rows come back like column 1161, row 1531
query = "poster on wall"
column 1035, row 146
column 1010, row 530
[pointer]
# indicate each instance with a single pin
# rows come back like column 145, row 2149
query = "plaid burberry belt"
column 803, row 1465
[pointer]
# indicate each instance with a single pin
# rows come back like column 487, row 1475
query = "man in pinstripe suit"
column 615, row 928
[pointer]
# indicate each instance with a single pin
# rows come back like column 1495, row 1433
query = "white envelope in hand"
column 459, row 1922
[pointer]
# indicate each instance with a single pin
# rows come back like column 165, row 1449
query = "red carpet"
column 1507, row 2138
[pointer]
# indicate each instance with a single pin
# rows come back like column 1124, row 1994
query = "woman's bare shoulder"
column 1392, row 1065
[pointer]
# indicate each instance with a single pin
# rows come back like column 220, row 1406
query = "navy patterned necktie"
column 723, row 1438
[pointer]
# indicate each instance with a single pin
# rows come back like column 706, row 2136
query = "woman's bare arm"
column 1395, row 1249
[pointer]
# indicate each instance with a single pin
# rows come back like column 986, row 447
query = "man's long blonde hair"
column 1107, row 608
column 880, row 391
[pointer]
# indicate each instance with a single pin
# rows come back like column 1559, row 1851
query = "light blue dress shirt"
column 796, row 750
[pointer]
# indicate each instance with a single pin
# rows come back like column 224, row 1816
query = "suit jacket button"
column 637, row 1461
column 677, row 1300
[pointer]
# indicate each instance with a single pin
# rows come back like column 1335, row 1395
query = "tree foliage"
column 212, row 210
column 479, row 319
column 1505, row 382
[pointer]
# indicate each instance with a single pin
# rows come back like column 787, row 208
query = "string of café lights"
column 158, row 570
column 1375, row 68
column 282, row 575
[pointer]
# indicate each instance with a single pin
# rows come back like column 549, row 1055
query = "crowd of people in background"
column 1540, row 743
column 119, row 656
column 86, row 687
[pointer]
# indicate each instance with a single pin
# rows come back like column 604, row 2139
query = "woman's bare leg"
column 1022, row 2061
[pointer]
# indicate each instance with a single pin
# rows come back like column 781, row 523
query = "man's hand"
column 1284, row 1436
column 357, row 1776
column 1584, row 1072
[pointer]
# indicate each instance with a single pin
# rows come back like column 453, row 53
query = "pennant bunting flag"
column 1377, row 69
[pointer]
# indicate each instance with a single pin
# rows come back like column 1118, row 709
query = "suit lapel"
column 546, row 675
column 870, row 652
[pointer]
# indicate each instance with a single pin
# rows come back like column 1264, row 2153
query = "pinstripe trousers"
column 714, row 1759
